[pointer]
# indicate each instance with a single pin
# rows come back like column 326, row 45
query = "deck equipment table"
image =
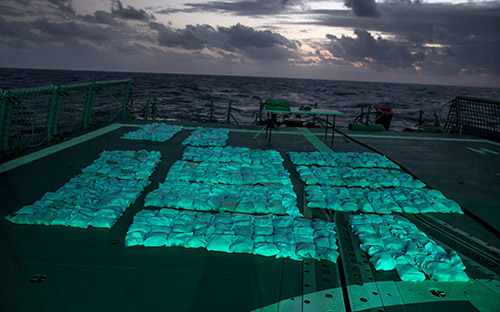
column 312, row 111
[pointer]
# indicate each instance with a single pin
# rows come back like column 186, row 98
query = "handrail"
column 40, row 109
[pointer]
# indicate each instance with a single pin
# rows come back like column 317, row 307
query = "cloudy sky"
column 416, row 41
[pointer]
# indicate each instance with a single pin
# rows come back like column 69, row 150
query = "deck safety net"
column 474, row 116
column 34, row 116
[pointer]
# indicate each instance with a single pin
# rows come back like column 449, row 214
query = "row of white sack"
column 383, row 201
column 271, row 236
column 86, row 200
column 138, row 165
column 232, row 154
column 207, row 137
column 268, row 199
column 393, row 242
column 228, row 173
column 357, row 177
column 157, row 132
column 350, row 159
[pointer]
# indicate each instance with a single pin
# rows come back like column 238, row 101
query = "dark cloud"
column 100, row 17
column 19, row 35
column 129, row 13
column 376, row 53
column 254, row 44
column 68, row 31
column 241, row 8
column 363, row 8
column 396, row 37
column 256, row 8
column 189, row 38
column 7, row 10
column 64, row 6
column 455, row 38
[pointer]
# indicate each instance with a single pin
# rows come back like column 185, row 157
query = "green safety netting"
column 351, row 159
column 270, row 199
column 98, row 196
column 243, row 155
column 267, row 235
column 383, row 201
column 357, row 177
column 228, row 173
column 158, row 132
column 207, row 137
column 393, row 242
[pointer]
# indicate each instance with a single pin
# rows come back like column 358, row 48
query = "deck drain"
column 38, row 278
column 437, row 292
column 363, row 299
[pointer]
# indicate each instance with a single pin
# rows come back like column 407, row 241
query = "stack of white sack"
column 226, row 154
column 127, row 165
column 350, row 159
column 207, row 137
column 267, row 235
column 393, row 242
column 357, row 177
column 383, row 201
column 97, row 197
column 228, row 173
column 274, row 199
column 157, row 132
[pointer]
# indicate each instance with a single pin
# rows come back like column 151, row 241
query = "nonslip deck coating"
column 92, row 270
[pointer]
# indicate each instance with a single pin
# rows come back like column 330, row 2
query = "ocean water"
column 186, row 97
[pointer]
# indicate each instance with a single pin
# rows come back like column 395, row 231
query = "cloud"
column 7, row 10
column 189, row 38
column 253, row 8
column 395, row 37
column 100, row 17
column 129, row 13
column 64, row 6
column 363, row 8
column 375, row 53
column 454, row 38
column 251, row 43
column 69, row 31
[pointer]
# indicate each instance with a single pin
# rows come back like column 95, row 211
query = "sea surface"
column 187, row 97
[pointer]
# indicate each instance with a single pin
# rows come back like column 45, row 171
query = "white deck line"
column 402, row 137
column 94, row 134
column 59, row 147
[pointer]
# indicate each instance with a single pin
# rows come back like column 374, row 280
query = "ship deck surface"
column 92, row 270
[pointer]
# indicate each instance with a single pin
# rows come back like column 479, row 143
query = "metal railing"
column 33, row 116
column 209, row 113
column 474, row 116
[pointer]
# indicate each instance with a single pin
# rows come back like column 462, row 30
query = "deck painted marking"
column 311, row 137
column 56, row 148
column 401, row 137
column 482, row 150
